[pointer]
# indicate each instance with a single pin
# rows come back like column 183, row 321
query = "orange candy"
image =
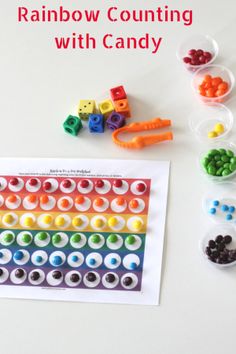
column 98, row 202
column 120, row 201
column 213, row 86
column 79, row 200
column 12, row 198
column 32, row 198
column 134, row 204
column 64, row 203
column 44, row 199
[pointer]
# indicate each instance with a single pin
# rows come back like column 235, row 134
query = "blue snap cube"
column 96, row 123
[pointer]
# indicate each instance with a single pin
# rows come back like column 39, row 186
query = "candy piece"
column 219, row 128
column 74, row 258
column 64, row 203
column 47, row 219
column 77, row 221
column 115, row 121
column 112, row 222
column 122, row 107
column 224, row 207
column 91, row 277
column 74, row 278
column 106, row 107
column 39, row 259
column 216, row 203
column 18, row 255
column 8, row 219
column 113, row 261
column 12, row 198
column 56, row 274
column 127, row 281
column 33, row 182
column 66, row 183
column 227, row 239
column 42, row 236
column 95, row 238
column 1, row 272
column 212, row 211
column 99, row 183
column 99, row 202
column 133, row 265
column 118, row 183
column 14, row 181
column 56, row 239
column 96, row 123
column 29, row 221
column 229, row 217
column 84, row 183
column 34, row 276
column 8, row 238
column 137, row 224
column 212, row 135
column 118, row 93
column 79, row 199
column 1, row 254
column 134, row 204
column 112, row 238
column 72, row 125
column 92, row 261
column 32, row 198
column 86, row 107
column 231, row 209
column 76, row 238
column 26, row 238
column 110, row 278
column 57, row 260
column 120, row 201
column 60, row 221
column 219, row 239
column 98, row 223
column 130, row 240
column 19, row 273
column 44, row 199
column 47, row 186
column 141, row 187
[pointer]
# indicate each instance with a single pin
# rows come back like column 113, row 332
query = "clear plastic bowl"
column 214, row 71
column 218, row 145
column 224, row 193
column 203, row 119
column 197, row 41
column 211, row 234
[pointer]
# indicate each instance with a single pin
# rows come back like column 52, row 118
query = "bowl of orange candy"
column 213, row 83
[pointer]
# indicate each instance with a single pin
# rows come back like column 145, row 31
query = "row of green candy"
column 219, row 162
column 26, row 238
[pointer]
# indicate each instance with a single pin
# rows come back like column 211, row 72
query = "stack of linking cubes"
column 111, row 113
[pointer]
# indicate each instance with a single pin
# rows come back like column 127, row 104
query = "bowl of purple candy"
column 197, row 52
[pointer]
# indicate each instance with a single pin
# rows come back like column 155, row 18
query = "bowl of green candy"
column 219, row 161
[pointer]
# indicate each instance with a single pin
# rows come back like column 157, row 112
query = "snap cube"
column 72, row 125
column 122, row 106
column 96, row 123
column 118, row 93
column 115, row 121
column 86, row 107
column 106, row 107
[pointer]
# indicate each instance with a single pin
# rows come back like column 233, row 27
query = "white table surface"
column 39, row 87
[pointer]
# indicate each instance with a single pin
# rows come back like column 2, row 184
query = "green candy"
column 219, row 163
column 26, row 238
column 226, row 172
column 56, row 239
column 211, row 170
column 219, row 171
column 8, row 238
column 217, row 157
column 205, row 161
column 230, row 153
column 76, row 238
column 233, row 160
column 225, row 158
column 112, row 238
column 213, row 152
column 232, row 167
column 212, row 163
column 95, row 238
column 226, row 165
column 42, row 236
column 130, row 239
column 222, row 151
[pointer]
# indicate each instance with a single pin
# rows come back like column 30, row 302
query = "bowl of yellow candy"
column 212, row 122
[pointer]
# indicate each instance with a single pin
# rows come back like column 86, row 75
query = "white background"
column 39, row 87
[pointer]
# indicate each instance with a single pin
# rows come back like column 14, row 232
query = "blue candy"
column 1, row 254
column 231, row 209
column 92, row 261
column 212, row 211
column 57, row 260
column 229, row 217
column 38, row 259
column 74, row 258
column 18, row 255
column 216, row 203
column 133, row 265
column 224, row 207
column 113, row 261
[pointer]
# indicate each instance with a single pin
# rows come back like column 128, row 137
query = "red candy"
column 100, row 183
column 66, row 183
column 141, row 187
column 197, row 57
column 84, row 183
column 14, row 181
column 118, row 183
column 47, row 186
column 33, row 182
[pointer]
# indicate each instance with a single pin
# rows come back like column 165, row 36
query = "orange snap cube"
column 79, row 199
column 122, row 107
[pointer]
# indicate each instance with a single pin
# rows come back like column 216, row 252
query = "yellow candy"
column 137, row 224
column 8, row 219
column 28, row 221
column 112, row 221
column 77, row 222
column 60, row 221
column 47, row 219
column 212, row 134
column 219, row 128
column 98, row 223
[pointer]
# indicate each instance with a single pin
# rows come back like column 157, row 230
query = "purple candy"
column 115, row 121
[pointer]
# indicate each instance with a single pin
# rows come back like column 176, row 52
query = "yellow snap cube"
column 106, row 107
column 86, row 107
